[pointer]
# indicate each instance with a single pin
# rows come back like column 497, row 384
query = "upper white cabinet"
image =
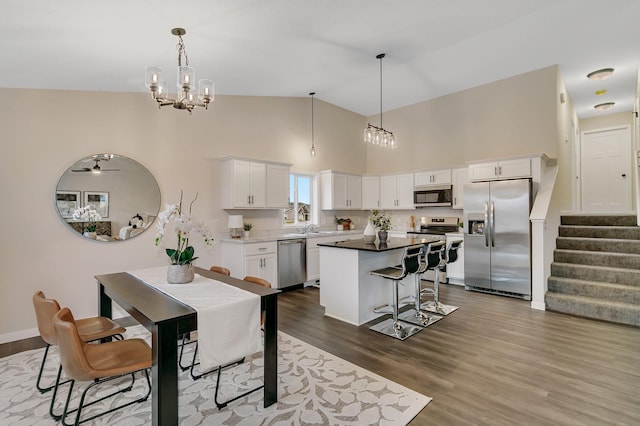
column 435, row 177
column 245, row 183
column 370, row 192
column 396, row 192
column 503, row 169
column 459, row 178
column 278, row 185
column 340, row 191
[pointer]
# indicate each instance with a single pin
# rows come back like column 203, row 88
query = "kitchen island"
column 347, row 290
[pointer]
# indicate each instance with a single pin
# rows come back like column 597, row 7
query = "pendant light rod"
column 380, row 56
column 313, row 145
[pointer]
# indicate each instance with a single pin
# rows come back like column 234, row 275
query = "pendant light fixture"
column 313, row 145
column 379, row 135
column 186, row 98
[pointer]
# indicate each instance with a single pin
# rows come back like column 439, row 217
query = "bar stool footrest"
column 438, row 308
column 400, row 330
column 423, row 319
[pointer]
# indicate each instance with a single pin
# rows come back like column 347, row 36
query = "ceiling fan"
column 96, row 168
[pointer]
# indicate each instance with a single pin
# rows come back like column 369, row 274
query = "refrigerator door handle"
column 486, row 224
column 493, row 225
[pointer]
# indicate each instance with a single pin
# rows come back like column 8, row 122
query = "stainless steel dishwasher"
column 292, row 262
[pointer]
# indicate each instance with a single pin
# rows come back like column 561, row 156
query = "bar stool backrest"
column 432, row 254
column 411, row 260
column 451, row 254
column 45, row 311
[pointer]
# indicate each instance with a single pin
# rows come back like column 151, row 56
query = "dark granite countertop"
column 392, row 244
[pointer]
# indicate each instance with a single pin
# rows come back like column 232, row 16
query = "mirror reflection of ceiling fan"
column 96, row 168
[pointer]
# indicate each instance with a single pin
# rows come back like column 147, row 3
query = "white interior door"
column 606, row 171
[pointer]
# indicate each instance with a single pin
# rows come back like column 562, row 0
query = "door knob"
column 624, row 175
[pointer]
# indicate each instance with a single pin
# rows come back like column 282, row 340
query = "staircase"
column 596, row 269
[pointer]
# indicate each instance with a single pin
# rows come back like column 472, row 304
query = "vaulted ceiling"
column 292, row 47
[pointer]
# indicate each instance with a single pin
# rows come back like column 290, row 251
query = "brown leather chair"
column 221, row 270
column 97, row 363
column 90, row 329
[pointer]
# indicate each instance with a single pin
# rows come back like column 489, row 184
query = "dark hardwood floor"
column 494, row 361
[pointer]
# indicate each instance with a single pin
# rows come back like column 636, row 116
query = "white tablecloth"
column 228, row 317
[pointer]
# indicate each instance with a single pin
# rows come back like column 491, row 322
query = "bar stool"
column 429, row 259
column 450, row 255
column 410, row 264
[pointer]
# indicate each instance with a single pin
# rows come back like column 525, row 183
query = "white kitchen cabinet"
column 245, row 183
column 503, row 169
column 459, row 178
column 313, row 252
column 455, row 270
column 370, row 192
column 396, row 192
column 340, row 191
column 278, row 186
column 434, row 177
column 255, row 259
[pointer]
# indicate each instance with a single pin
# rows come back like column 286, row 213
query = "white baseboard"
column 541, row 306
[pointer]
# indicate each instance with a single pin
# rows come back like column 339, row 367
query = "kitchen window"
column 301, row 210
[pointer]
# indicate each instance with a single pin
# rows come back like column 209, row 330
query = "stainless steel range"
column 435, row 226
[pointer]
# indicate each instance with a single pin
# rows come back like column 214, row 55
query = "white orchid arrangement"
column 87, row 214
column 184, row 225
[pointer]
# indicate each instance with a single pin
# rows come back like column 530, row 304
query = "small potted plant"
column 246, row 228
column 382, row 222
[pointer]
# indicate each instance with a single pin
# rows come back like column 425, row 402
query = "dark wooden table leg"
column 104, row 307
column 271, row 350
column 164, row 374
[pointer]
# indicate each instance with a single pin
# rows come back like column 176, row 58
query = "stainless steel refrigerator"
column 497, row 237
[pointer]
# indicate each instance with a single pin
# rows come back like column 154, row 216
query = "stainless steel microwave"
column 433, row 196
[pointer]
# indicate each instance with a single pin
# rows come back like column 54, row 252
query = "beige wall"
column 606, row 121
column 515, row 116
column 44, row 132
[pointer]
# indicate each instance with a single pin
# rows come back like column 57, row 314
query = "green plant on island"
column 381, row 220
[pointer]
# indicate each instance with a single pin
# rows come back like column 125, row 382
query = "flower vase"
column 180, row 274
column 369, row 233
column 246, row 234
column 382, row 236
column 91, row 235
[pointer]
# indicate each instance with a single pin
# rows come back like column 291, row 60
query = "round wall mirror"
column 107, row 197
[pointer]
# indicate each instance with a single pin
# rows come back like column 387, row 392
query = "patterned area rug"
column 315, row 388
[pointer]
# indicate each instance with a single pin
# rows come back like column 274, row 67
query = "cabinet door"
column 460, row 177
column 253, row 266
column 277, row 186
column 388, row 198
column 270, row 269
column 354, row 192
column 442, row 177
column 404, row 191
column 258, row 184
column 241, row 184
column 370, row 192
column 483, row 171
column 313, row 263
column 339, row 189
column 422, row 178
column 515, row 168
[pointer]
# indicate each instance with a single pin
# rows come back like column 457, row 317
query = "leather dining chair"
column 97, row 364
column 221, row 270
column 90, row 329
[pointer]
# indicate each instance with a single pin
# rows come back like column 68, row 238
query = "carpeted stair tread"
column 623, row 313
column 618, row 232
column 616, row 260
column 606, row 274
column 599, row 220
column 598, row 290
column 598, row 244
